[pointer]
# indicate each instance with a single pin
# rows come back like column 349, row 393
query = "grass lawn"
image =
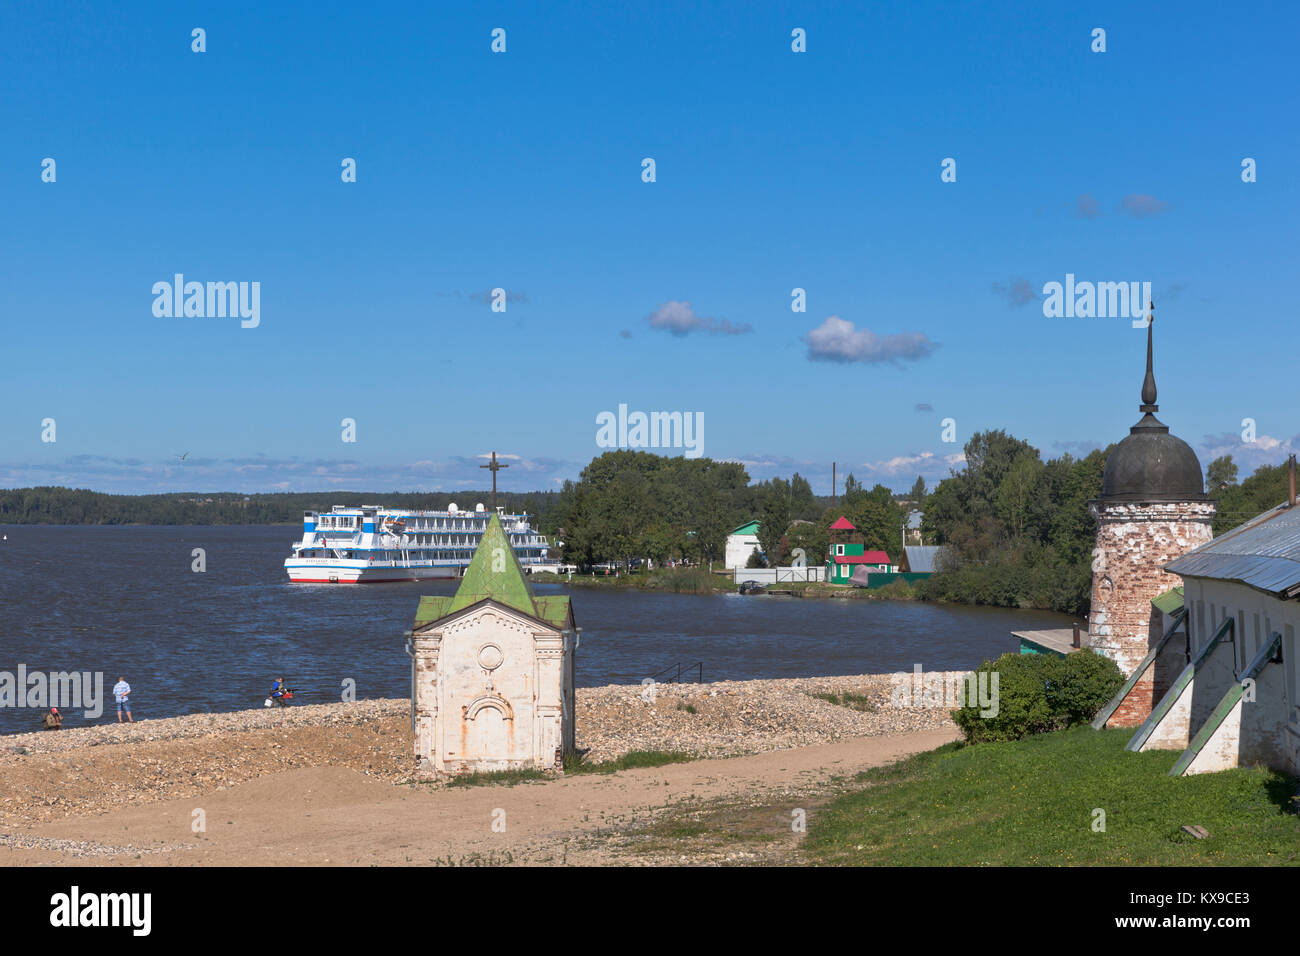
column 628, row 761
column 1031, row 803
column 631, row 761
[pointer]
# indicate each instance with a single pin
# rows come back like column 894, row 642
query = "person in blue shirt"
column 278, row 689
column 122, row 694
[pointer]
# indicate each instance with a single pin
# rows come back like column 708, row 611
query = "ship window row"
column 464, row 547
column 413, row 524
column 443, row 524
column 327, row 521
column 414, row 554
column 420, row 536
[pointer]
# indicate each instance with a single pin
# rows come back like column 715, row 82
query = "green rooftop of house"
column 495, row 573
column 1169, row 602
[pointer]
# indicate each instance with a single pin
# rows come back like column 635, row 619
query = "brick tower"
column 1152, row 509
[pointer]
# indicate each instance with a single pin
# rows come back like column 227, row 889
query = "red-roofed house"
column 846, row 556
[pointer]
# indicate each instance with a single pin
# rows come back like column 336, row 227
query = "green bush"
column 1040, row 692
column 683, row 580
column 1080, row 684
column 897, row 590
column 1022, row 706
column 1029, row 577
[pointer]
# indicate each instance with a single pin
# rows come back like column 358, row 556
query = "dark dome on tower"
column 1151, row 464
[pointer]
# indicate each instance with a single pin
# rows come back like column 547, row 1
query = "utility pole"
column 494, row 466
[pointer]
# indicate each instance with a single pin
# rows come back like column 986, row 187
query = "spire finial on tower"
column 1149, row 383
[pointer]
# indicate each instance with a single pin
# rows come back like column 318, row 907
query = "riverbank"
column 702, row 581
column 676, row 580
column 56, row 775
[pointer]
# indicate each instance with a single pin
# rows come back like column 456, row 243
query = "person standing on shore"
column 122, row 694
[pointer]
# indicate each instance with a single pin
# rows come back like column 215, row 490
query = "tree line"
column 55, row 505
column 635, row 504
column 1017, row 530
column 1268, row 487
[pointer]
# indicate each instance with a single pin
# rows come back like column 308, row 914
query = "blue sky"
column 522, row 170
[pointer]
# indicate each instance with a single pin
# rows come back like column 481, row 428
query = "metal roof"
column 1169, row 602
column 1263, row 553
column 921, row 557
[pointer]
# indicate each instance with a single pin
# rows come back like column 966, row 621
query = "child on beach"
column 122, row 694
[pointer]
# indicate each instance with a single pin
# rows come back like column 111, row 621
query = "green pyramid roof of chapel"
column 494, row 572
column 501, row 579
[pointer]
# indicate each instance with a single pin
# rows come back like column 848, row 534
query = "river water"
column 124, row 601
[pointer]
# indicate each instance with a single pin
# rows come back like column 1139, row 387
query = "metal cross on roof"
column 494, row 466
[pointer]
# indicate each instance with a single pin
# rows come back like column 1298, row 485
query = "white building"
column 1236, row 700
column 493, row 670
column 741, row 544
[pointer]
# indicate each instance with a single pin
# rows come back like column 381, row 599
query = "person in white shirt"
column 122, row 694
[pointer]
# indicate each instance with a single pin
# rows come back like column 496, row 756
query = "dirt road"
column 334, row 815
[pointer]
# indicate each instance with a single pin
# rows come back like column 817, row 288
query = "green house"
column 847, row 555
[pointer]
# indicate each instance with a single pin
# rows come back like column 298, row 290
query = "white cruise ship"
column 373, row 543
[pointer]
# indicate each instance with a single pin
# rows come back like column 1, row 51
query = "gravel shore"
column 742, row 717
column 53, row 774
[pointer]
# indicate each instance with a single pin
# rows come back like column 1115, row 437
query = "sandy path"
column 336, row 816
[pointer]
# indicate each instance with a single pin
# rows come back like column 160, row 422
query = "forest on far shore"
column 53, row 505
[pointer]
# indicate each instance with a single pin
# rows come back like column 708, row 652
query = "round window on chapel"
column 490, row 657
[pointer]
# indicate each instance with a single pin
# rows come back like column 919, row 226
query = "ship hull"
column 316, row 574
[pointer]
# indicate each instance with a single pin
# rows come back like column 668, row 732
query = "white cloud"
column 1264, row 450
column 926, row 464
column 680, row 319
column 838, row 340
